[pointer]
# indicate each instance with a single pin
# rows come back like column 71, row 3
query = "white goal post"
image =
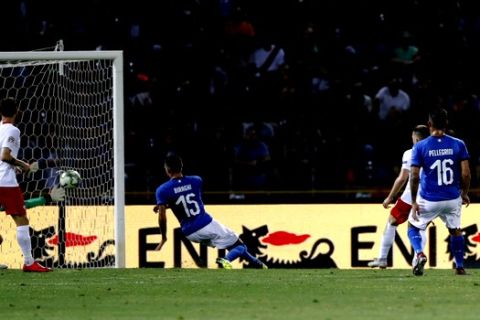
column 71, row 117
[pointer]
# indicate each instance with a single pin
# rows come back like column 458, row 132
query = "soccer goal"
column 71, row 117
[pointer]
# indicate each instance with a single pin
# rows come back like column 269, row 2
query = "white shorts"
column 449, row 211
column 214, row 235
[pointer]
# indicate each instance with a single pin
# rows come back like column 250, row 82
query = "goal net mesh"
column 66, row 122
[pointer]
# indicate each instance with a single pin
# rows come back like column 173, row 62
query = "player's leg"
column 423, row 234
column 14, row 207
column 386, row 243
column 398, row 215
column 457, row 247
column 224, row 238
column 428, row 211
column 23, row 237
column 457, row 240
column 2, row 266
column 415, row 238
column 420, row 259
column 240, row 250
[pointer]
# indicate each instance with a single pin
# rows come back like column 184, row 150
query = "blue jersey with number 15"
column 440, row 159
column 184, row 197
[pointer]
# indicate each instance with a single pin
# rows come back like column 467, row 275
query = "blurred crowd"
column 269, row 96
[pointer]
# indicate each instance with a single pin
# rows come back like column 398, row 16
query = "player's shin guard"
column 23, row 239
column 415, row 238
column 457, row 246
column 423, row 234
column 387, row 240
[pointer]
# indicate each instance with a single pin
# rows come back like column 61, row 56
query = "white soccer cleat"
column 419, row 265
column 378, row 263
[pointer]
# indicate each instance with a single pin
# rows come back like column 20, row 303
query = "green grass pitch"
column 183, row 294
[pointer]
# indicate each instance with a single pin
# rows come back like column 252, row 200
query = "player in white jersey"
column 445, row 182
column 55, row 195
column 11, row 196
column 399, row 213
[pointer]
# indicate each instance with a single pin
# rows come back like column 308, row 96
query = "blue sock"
column 236, row 252
column 241, row 251
column 415, row 238
column 247, row 256
column 457, row 246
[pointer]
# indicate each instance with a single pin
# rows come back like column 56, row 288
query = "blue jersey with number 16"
column 440, row 159
column 184, row 197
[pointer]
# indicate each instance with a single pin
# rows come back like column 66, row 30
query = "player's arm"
column 414, row 182
column 55, row 195
column 161, row 210
column 465, row 181
column 398, row 184
column 6, row 156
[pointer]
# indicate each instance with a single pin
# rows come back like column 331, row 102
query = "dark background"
column 189, row 87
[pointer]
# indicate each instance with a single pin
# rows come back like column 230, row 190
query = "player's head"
column 438, row 119
column 8, row 107
column 420, row 132
column 173, row 164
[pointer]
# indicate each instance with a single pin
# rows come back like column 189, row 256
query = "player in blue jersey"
column 183, row 195
column 445, row 181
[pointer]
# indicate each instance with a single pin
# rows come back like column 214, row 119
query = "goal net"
column 71, row 117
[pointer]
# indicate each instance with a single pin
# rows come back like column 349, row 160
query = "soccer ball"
column 70, row 179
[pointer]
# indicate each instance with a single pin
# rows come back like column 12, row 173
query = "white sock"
column 387, row 240
column 23, row 239
column 423, row 234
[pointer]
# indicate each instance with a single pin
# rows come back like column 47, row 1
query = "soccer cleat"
column 460, row 271
column 419, row 264
column 224, row 263
column 264, row 266
column 36, row 267
column 378, row 262
column 3, row 266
